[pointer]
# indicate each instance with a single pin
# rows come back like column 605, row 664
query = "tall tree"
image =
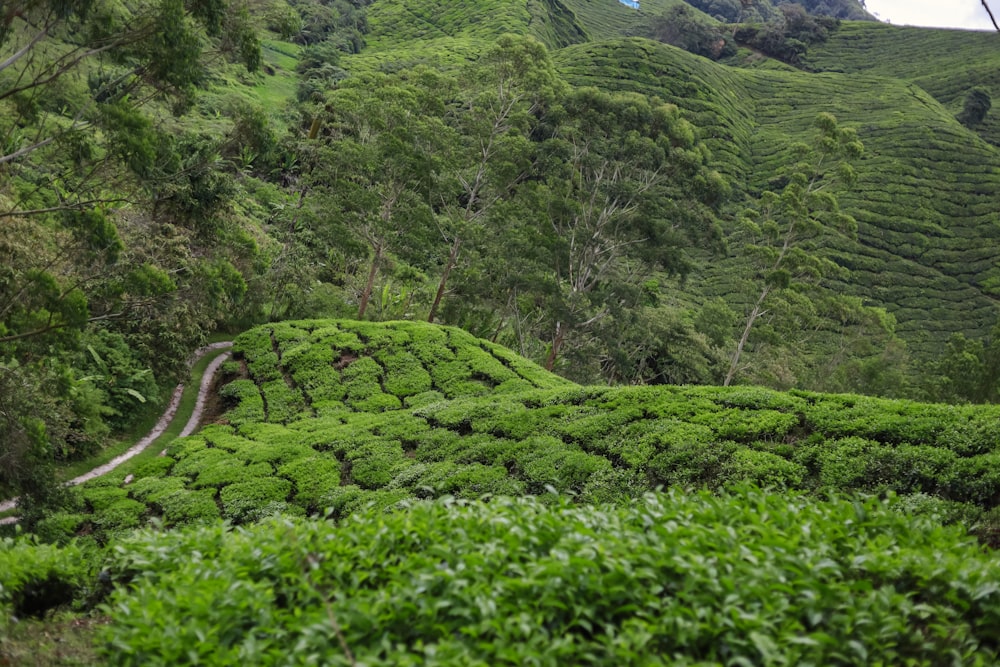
column 510, row 86
column 80, row 84
column 625, row 192
column 783, row 230
column 384, row 146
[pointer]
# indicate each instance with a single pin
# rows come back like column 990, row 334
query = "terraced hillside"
column 438, row 32
column 347, row 420
column 945, row 63
column 331, row 416
column 925, row 198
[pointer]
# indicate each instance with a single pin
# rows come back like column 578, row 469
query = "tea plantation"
column 924, row 199
column 331, row 416
column 473, row 515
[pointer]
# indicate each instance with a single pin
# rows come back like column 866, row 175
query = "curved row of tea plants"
column 924, row 198
column 335, row 415
column 747, row 578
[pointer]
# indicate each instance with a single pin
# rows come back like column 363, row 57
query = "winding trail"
column 161, row 425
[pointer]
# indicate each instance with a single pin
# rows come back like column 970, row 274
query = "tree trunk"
column 557, row 342
column 366, row 295
column 754, row 314
column 449, row 265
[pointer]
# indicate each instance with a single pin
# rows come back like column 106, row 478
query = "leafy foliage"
column 464, row 430
column 669, row 578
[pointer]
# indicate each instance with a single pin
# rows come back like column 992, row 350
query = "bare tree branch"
column 992, row 18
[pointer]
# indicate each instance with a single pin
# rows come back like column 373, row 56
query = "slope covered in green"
column 945, row 63
column 670, row 579
column 417, row 442
column 925, row 197
column 330, row 416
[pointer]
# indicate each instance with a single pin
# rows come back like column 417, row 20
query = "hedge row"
column 594, row 443
column 742, row 579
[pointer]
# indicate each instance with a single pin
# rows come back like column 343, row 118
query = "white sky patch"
column 967, row 14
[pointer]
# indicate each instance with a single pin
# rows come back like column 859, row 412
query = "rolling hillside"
column 405, row 493
column 925, row 198
column 331, row 416
column 397, row 433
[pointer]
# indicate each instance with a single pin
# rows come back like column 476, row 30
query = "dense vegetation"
column 768, row 204
column 659, row 581
column 331, row 416
column 169, row 191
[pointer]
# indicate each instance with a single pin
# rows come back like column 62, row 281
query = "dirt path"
column 161, row 425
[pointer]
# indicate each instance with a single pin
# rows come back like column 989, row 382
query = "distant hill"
column 925, row 199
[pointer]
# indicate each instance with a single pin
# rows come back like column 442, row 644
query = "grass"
column 62, row 639
column 278, row 84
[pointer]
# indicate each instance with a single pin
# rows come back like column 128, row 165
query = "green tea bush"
column 191, row 466
column 60, row 527
column 155, row 467
column 743, row 578
column 152, row 489
column 184, row 507
column 404, row 375
column 35, row 578
column 227, row 472
column 185, row 446
column 99, row 498
column 123, row 514
column 313, row 477
column 252, row 500
column 762, row 469
column 249, row 404
column 283, row 403
column 593, row 442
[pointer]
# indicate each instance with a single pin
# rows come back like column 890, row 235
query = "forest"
column 723, row 268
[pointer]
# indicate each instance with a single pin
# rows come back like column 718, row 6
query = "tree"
column 977, row 104
column 784, row 229
column 513, row 82
column 625, row 190
column 79, row 85
column 384, row 146
column 990, row 12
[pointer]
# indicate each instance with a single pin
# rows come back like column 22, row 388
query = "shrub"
column 405, row 375
column 255, row 499
column 183, row 507
column 691, row 464
column 154, row 467
column 685, row 579
column 35, row 578
column 99, row 498
column 151, row 490
column 121, row 515
column 762, row 469
column 313, row 478
column 283, row 403
column 59, row 528
column 227, row 472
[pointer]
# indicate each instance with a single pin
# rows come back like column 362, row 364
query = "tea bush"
column 591, row 442
column 37, row 577
column 742, row 578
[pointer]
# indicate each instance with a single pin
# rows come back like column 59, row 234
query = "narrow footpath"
column 166, row 419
